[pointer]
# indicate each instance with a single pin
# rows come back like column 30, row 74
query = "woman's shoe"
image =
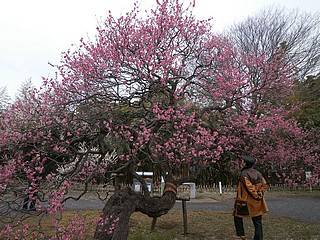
column 240, row 238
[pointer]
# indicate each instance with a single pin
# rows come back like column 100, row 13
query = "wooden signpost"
column 183, row 195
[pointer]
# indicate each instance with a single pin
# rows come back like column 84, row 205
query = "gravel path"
column 303, row 208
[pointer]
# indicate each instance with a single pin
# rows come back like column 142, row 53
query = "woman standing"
column 249, row 200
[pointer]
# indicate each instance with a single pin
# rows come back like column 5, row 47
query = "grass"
column 212, row 225
column 269, row 194
column 202, row 225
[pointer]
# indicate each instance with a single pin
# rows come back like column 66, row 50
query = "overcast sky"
column 35, row 32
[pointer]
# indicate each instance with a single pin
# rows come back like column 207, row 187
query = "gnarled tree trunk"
column 114, row 223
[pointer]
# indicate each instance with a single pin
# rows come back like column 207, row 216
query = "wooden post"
column 185, row 220
column 154, row 221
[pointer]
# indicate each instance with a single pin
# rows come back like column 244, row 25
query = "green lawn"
column 213, row 225
column 201, row 225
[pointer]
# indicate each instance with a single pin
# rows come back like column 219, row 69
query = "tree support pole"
column 154, row 221
column 185, row 220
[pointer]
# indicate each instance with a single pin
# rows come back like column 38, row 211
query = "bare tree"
column 297, row 33
column 24, row 90
column 4, row 98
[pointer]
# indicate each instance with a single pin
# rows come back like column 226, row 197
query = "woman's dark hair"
column 249, row 161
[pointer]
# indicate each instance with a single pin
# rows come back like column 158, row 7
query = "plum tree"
column 161, row 90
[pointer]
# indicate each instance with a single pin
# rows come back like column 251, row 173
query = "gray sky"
column 35, row 32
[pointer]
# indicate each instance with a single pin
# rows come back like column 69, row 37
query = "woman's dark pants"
column 257, row 222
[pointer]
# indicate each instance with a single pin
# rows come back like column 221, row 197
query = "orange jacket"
column 250, row 192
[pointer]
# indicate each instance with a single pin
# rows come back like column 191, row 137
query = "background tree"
column 307, row 95
column 25, row 89
column 161, row 90
column 4, row 98
column 295, row 32
column 293, row 37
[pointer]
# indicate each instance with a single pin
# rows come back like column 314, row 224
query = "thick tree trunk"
column 114, row 223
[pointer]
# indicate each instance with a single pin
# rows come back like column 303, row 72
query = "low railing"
column 273, row 187
column 184, row 190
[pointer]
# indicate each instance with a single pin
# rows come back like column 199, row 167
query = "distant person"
column 29, row 203
column 249, row 200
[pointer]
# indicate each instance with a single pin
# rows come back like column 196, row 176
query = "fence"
column 273, row 187
column 285, row 187
column 215, row 188
column 92, row 187
column 203, row 188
